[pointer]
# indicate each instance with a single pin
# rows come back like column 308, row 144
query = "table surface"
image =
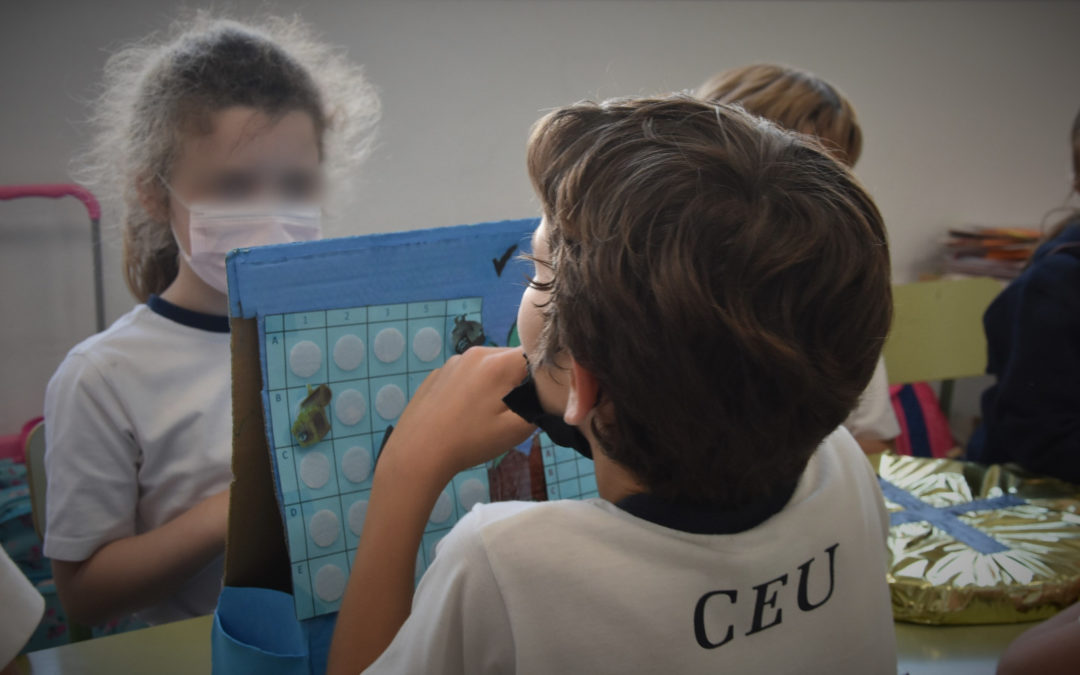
column 184, row 648
column 955, row 650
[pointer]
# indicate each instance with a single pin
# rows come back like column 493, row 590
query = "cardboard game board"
column 347, row 329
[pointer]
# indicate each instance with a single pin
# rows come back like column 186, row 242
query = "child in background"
column 710, row 297
column 1031, row 415
column 803, row 102
column 217, row 138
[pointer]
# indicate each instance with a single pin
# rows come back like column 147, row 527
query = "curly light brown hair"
column 161, row 90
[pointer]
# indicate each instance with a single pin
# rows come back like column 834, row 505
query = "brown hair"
column 161, row 90
column 794, row 99
column 727, row 283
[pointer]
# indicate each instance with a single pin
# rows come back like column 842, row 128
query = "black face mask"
column 525, row 401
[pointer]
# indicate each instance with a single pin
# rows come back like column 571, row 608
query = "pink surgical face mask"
column 214, row 230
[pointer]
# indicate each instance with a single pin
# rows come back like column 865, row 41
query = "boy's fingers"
column 510, row 364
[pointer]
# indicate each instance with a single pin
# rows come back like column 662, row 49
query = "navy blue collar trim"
column 187, row 317
column 705, row 519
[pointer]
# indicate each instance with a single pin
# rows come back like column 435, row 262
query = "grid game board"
column 335, row 381
column 343, row 345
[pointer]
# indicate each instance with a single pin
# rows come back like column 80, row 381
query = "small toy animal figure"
column 466, row 334
column 312, row 423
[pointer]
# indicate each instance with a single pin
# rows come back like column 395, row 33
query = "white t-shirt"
column 22, row 609
column 874, row 416
column 586, row 587
column 138, row 429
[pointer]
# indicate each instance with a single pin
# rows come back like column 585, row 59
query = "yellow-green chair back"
column 35, row 475
column 937, row 331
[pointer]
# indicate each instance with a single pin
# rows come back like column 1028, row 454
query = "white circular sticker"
column 389, row 345
column 471, row 492
column 356, row 464
column 390, row 402
column 357, row 513
column 329, row 583
column 444, row 508
column 324, row 528
column 315, row 470
column 349, row 352
column 305, row 358
column 350, row 407
column 427, row 344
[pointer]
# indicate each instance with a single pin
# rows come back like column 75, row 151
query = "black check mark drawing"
column 500, row 264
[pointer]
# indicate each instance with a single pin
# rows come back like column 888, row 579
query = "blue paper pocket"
column 256, row 631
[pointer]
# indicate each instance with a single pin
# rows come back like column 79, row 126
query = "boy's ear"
column 582, row 397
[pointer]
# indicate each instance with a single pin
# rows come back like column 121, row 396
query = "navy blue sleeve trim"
column 187, row 317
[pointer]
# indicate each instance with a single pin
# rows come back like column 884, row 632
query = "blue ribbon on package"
column 945, row 518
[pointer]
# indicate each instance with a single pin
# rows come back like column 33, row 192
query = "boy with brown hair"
column 710, row 297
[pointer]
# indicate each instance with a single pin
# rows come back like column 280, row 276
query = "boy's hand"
column 457, row 418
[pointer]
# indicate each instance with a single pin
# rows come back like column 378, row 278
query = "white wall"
column 965, row 107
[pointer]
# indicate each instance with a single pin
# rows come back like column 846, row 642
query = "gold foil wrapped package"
column 974, row 544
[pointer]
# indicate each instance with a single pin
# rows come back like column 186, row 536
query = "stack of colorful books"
column 999, row 252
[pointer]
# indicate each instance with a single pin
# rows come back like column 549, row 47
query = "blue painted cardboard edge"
column 271, row 279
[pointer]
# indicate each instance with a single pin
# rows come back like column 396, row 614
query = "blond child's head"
column 794, row 99
column 726, row 283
